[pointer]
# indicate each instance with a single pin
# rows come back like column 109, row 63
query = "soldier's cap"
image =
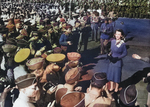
column 99, row 79
column 56, row 58
column 25, row 80
column 128, row 95
column 74, row 99
column 73, row 75
column 73, row 56
column 22, row 55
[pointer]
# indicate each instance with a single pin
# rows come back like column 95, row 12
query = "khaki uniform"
column 100, row 102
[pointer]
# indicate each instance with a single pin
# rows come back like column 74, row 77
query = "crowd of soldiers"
column 41, row 42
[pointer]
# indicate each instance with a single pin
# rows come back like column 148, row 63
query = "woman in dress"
column 118, row 51
column 105, row 30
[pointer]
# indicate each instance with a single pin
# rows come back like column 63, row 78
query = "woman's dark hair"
column 120, row 30
column 122, row 33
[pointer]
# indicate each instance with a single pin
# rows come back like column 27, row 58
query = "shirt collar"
column 119, row 43
column 23, row 97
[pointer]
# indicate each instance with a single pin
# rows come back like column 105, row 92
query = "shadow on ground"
column 135, row 78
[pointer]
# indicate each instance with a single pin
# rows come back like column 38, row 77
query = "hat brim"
column 55, row 57
column 123, row 97
column 22, row 55
column 35, row 63
column 26, row 83
column 73, row 75
column 25, row 80
column 73, row 56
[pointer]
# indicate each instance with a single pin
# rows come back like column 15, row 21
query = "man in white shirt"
column 28, row 89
